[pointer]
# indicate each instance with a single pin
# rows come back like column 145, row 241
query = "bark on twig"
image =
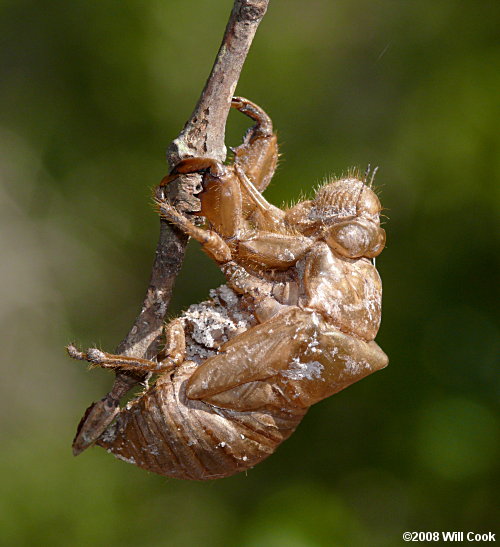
column 203, row 136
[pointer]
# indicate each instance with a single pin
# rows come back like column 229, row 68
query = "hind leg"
column 103, row 359
column 172, row 355
column 100, row 415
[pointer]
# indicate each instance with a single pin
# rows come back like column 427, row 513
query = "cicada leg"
column 212, row 243
column 172, row 355
column 257, row 156
column 103, row 359
column 100, row 415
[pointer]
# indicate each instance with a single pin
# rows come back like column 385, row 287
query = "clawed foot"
column 170, row 213
column 102, row 359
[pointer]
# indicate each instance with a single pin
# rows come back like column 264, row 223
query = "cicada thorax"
column 165, row 432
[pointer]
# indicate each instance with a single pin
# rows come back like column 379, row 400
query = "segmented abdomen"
column 166, row 433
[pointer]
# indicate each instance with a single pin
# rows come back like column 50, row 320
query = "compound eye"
column 355, row 239
column 379, row 246
column 348, row 239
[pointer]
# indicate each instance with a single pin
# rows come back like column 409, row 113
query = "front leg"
column 262, row 214
column 257, row 156
column 231, row 199
column 211, row 242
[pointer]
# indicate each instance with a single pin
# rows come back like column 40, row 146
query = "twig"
column 202, row 136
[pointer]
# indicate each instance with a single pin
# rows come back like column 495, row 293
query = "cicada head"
column 345, row 199
column 347, row 213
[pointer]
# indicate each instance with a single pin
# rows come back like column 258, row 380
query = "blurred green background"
column 91, row 93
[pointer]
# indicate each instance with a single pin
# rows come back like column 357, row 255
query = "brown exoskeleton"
column 294, row 324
